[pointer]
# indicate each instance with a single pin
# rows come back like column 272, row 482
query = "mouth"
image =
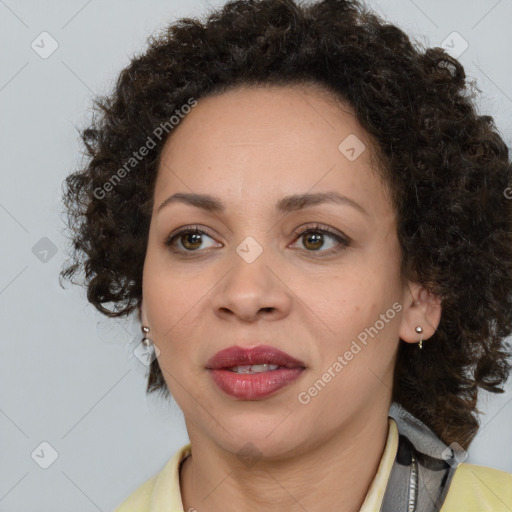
column 249, row 369
column 257, row 359
column 253, row 374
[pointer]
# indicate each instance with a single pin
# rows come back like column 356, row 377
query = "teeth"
column 255, row 368
column 263, row 367
column 241, row 369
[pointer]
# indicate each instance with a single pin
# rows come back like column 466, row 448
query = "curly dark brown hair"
column 447, row 168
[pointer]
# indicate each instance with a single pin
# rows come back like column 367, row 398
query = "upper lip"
column 262, row 354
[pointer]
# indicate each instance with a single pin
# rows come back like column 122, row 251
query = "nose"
column 250, row 291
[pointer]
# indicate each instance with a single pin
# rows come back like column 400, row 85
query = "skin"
column 250, row 147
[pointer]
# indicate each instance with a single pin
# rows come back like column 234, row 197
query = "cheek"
column 169, row 303
column 177, row 299
column 170, row 290
column 341, row 298
column 355, row 306
column 160, row 291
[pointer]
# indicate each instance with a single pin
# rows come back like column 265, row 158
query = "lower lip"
column 255, row 386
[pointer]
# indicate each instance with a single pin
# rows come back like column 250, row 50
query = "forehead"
column 258, row 141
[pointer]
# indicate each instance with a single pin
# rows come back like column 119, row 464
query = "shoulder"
column 479, row 488
column 162, row 490
column 140, row 499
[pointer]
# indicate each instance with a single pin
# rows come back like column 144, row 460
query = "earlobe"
column 144, row 326
column 142, row 313
column 421, row 316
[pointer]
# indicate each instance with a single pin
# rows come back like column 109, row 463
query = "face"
column 315, row 280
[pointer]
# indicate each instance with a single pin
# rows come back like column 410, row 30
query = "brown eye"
column 322, row 240
column 312, row 240
column 191, row 241
column 188, row 239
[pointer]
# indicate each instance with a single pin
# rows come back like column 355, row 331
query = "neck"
column 334, row 476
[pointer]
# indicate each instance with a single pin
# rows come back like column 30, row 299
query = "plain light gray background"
column 69, row 376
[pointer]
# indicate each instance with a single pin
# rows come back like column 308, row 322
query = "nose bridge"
column 251, row 286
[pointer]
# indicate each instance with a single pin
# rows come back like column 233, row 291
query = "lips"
column 258, row 385
column 262, row 354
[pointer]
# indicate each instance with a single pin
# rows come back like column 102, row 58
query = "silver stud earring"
column 419, row 330
column 145, row 340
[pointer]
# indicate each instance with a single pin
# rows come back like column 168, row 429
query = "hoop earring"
column 419, row 330
column 145, row 340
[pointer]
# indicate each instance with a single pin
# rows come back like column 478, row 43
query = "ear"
column 422, row 308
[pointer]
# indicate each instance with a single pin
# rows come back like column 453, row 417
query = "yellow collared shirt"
column 473, row 488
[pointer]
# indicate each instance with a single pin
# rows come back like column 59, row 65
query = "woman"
column 314, row 226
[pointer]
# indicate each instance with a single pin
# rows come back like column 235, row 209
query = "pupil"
column 193, row 238
column 315, row 239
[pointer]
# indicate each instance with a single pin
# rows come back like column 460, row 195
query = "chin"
column 267, row 435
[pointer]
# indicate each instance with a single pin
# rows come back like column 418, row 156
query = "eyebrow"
column 285, row 205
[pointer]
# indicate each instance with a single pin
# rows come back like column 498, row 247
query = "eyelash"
column 344, row 241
